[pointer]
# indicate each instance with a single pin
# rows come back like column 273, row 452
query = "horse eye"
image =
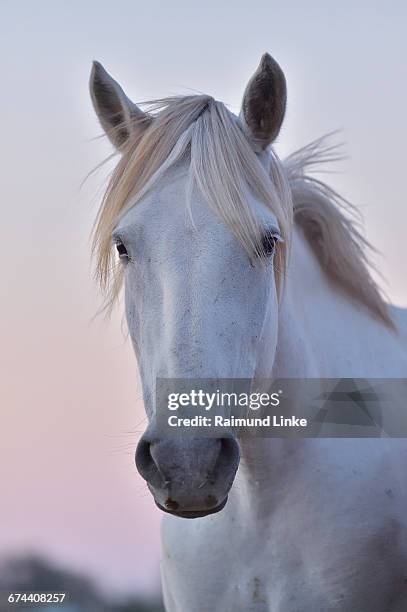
column 121, row 249
column 268, row 243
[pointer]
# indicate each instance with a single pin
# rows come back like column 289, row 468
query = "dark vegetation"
column 35, row 575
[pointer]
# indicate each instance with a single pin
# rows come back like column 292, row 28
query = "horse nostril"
column 230, row 449
column 147, row 464
column 229, row 455
column 144, row 460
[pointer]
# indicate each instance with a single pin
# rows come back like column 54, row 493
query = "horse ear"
column 118, row 115
column 264, row 103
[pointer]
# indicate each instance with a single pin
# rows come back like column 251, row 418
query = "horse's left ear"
column 118, row 115
column 264, row 103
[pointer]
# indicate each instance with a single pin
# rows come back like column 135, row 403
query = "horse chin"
column 191, row 514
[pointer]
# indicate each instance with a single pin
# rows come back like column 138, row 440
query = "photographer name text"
column 221, row 421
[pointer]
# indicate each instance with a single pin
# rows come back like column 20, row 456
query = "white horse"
column 237, row 265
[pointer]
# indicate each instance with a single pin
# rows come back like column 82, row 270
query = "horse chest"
column 316, row 551
column 202, row 574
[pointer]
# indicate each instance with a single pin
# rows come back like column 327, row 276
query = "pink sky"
column 71, row 419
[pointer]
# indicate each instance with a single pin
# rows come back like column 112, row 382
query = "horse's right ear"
column 119, row 116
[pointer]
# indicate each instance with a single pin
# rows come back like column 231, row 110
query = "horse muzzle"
column 189, row 478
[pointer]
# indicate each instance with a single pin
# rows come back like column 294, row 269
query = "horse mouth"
column 191, row 514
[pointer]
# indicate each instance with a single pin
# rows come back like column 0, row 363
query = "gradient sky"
column 70, row 404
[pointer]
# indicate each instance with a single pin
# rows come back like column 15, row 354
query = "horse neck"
column 323, row 333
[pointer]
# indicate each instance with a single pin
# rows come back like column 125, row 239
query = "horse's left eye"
column 121, row 249
column 268, row 243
